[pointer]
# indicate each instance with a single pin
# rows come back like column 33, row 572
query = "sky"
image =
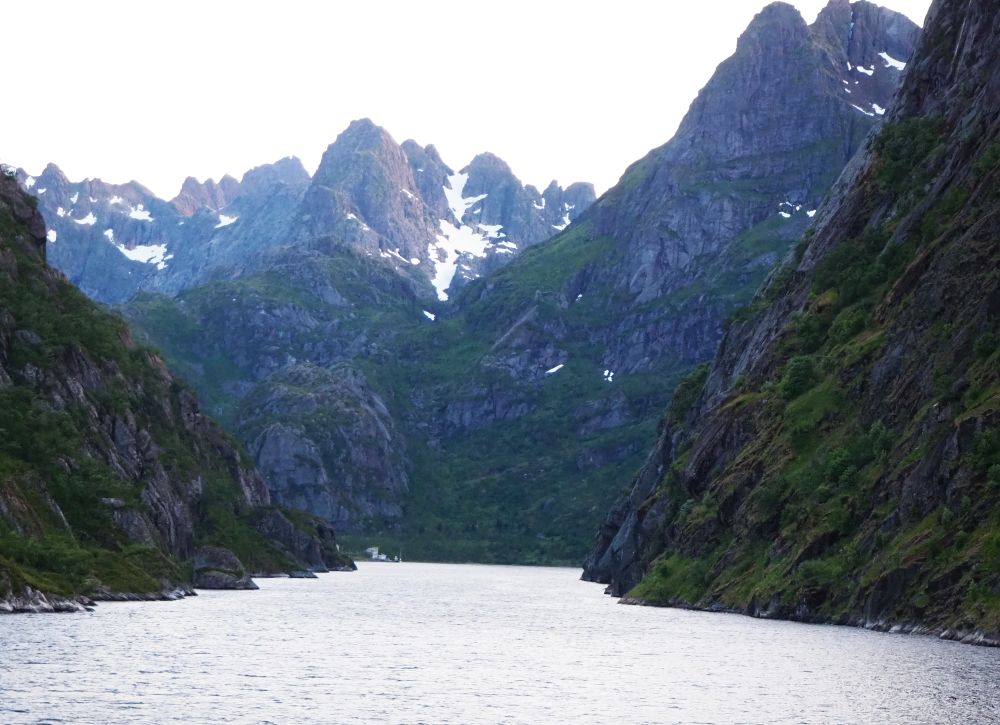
column 573, row 90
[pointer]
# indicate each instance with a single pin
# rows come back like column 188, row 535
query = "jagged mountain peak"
column 288, row 170
column 776, row 17
column 195, row 195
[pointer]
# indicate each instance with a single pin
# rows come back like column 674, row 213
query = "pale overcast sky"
column 157, row 91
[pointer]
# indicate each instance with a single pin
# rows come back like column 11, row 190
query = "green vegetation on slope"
column 827, row 505
column 68, row 491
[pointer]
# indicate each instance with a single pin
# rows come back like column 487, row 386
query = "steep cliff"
column 842, row 461
column 111, row 479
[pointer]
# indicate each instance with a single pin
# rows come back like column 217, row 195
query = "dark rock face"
column 907, row 432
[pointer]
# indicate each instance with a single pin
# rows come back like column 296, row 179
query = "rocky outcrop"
column 842, row 461
column 327, row 444
column 218, row 568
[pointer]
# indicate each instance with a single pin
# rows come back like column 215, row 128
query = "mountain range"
column 399, row 203
column 401, row 353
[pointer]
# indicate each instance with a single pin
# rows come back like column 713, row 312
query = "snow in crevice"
column 556, row 369
column 354, row 218
column 51, row 235
column 787, row 208
column 565, row 220
column 225, row 221
column 891, row 62
column 87, row 220
column 456, row 239
column 138, row 212
column 867, row 113
column 394, row 253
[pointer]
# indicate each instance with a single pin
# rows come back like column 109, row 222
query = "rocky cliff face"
column 841, row 462
column 110, row 476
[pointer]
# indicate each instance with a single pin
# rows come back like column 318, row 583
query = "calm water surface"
column 437, row 643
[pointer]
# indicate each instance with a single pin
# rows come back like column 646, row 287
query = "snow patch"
column 147, row 254
column 137, row 212
column 455, row 240
column 811, row 213
column 29, row 182
column 539, row 206
column 115, row 200
column 60, row 212
column 408, row 194
column 867, row 113
column 87, row 220
column 609, row 376
column 556, row 369
column 225, row 221
column 42, row 191
column 785, row 214
column 878, row 109
column 73, row 199
column 92, row 200
column 891, row 62
column 866, row 71
column 430, row 315
column 110, row 234
column 51, row 235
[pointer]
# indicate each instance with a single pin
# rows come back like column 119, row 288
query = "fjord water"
column 437, row 643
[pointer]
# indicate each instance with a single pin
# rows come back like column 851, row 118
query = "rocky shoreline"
column 804, row 616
